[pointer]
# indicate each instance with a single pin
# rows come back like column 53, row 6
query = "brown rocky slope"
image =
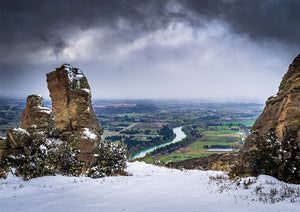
column 282, row 112
column 273, row 148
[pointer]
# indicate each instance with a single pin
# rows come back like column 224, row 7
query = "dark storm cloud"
column 46, row 23
column 29, row 20
column 260, row 19
column 37, row 35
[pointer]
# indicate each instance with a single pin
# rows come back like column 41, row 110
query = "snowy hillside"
column 150, row 188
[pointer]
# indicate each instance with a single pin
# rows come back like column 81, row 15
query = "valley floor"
column 150, row 188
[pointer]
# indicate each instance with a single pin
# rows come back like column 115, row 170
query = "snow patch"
column 21, row 130
column 86, row 90
column 89, row 134
column 44, row 110
column 73, row 73
column 52, row 141
column 43, row 147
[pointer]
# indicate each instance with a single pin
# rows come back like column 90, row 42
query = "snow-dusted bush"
column 111, row 160
column 271, row 157
column 51, row 156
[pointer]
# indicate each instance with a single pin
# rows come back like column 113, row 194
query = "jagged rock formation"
column 282, row 112
column 70, row 144
column 37, row 119
column 73, row 119
column 72, row 107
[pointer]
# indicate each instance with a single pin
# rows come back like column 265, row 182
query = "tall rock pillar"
column 72, row 107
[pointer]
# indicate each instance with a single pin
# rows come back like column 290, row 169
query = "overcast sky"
column 221, row 50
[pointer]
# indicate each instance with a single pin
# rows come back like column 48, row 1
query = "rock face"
column 282, row 112
column 72, row 107
column 71, row 100
column 36, row 118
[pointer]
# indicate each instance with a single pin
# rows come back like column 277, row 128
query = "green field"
column 223, row 125
column 199, row 148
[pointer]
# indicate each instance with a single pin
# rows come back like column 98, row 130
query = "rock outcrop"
column 72, row 107
column 37, row 119
column 282, row 112
column 37, row 122
column 73, row 119
column 273, row 148
column 71, row 100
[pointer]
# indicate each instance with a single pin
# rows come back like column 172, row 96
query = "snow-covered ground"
column 150, row 188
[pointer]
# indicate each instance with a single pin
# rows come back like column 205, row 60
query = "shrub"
column 111, row 160
column 271, row 157
column 51, row 156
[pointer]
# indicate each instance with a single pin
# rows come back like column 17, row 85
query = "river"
column 179, row 136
